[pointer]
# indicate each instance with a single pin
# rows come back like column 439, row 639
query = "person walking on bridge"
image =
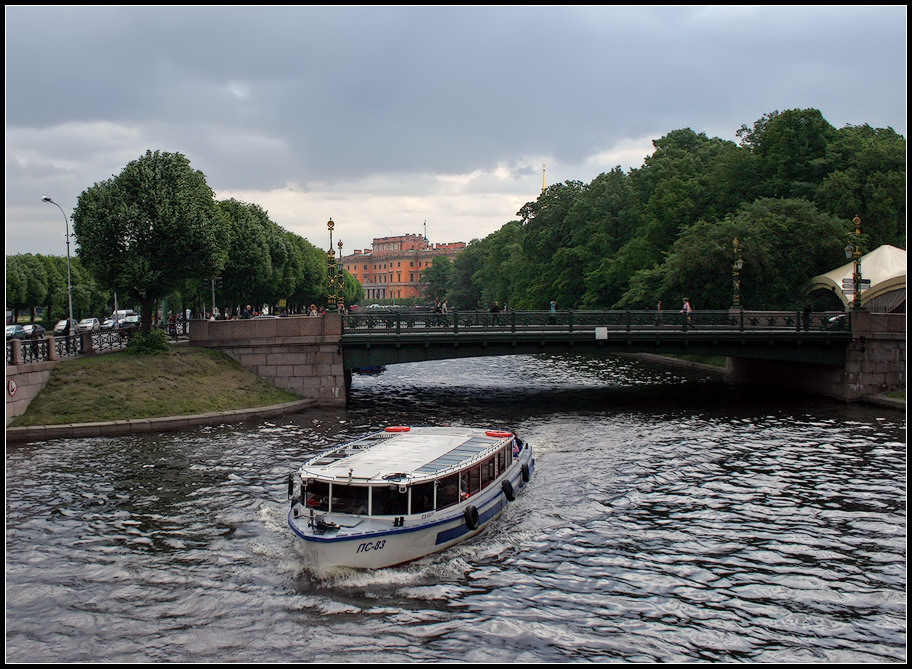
column 687, row 310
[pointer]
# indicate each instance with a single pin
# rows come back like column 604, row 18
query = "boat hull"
column 376, row 543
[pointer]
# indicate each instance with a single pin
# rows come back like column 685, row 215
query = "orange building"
column 392, row 268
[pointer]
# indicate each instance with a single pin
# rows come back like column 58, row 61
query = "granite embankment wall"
column 301, row 354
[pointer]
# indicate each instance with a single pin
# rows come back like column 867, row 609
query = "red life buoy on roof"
column 398, row 428
column 498, row 433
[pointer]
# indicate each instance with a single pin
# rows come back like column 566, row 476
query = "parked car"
column 89, row 325
column 838, row 322
column 34, row 327
column 129, row 323
column 15, row 332
column 108, row 324
column 61, row 328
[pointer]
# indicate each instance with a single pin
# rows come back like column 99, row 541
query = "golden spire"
column 543, row 177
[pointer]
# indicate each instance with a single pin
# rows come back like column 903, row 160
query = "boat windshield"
column 316, row 495
column 349, row 498
column 390, row 500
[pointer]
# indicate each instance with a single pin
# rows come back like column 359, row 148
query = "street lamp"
column 66, row 222
column 736, row 275
column 340, row 279
column 853, row 252
column 331, row 263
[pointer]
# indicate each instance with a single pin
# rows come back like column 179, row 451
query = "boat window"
column 423, row 497
column 474, row 479
column 388, row 501
column 487, row 472
column 349, row 498
column 501, row 460
column 447, row 491
column 316, row 495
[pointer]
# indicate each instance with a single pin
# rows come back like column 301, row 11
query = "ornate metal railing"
column 39, row 350
column 405, row 321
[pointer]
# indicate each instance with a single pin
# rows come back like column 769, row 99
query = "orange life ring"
column 498, row 433
column 398, row 428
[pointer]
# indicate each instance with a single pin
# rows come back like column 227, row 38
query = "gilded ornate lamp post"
column 66, row 222
column 340, row 279
column 853, row 252
column 736, row 275
column 331, row 264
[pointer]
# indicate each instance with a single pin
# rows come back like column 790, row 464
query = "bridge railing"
column 404, row 322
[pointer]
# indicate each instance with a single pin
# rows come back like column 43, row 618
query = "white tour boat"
column 403, row 493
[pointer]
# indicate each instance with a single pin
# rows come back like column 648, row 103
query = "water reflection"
column 672, row 518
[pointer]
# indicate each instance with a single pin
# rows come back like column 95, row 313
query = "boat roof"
column 405, row 454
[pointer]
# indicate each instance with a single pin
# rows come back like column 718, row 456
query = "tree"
column 436, row 278
column 784, row 243
column 791, row 147
column 145, row 231
column 867, row 176
column 26, row 283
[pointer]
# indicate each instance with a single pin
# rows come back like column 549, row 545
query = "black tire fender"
column 471, row 518
column 508, row 491
column 526, row 475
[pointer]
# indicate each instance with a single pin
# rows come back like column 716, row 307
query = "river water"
column 671, row 518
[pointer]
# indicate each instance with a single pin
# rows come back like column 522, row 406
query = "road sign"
column 849, row 284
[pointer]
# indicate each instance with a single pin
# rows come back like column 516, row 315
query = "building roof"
column 885, row 266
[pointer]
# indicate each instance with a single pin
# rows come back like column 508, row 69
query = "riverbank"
column 18, row 435
column 117, row 393
column 135, row 386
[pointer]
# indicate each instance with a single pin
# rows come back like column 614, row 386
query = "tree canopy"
column 145, row 231
column 665, row 230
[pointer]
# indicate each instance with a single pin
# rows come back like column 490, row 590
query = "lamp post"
column 66, row 222
column 736, row 275
column 853, row 252
column 331, row 264
column 340, row 279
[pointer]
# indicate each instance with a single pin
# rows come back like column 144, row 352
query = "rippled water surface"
column 671, row 517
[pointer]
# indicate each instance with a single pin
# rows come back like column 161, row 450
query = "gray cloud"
column 333, row 101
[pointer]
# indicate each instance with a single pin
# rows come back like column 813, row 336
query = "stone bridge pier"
column 301, row 354
column 875, row 363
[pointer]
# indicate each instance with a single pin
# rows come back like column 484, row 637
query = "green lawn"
column 118, row 386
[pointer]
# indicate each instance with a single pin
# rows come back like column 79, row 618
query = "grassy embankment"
column 118, row 386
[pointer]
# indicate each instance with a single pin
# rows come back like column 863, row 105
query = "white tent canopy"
column 885, row 266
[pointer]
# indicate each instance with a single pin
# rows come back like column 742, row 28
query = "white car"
column 88, row 325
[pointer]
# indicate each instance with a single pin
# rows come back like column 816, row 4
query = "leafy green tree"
column 145, row 231
column 311, row 269
column 784, row 243
column 791, row 147
column 29, row 283
column 436, row 279
column 867, row 177
column 502, row 275
column 352, row 290
column 546, row 229
column 465, row 293
column 55, row 272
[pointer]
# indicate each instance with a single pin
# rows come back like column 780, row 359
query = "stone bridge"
column 849, row 358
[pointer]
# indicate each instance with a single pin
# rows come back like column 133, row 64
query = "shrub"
column 148, row 343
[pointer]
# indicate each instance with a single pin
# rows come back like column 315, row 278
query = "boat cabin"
column 435, row 471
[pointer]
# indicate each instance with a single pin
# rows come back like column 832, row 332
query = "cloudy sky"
column 396, row 120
